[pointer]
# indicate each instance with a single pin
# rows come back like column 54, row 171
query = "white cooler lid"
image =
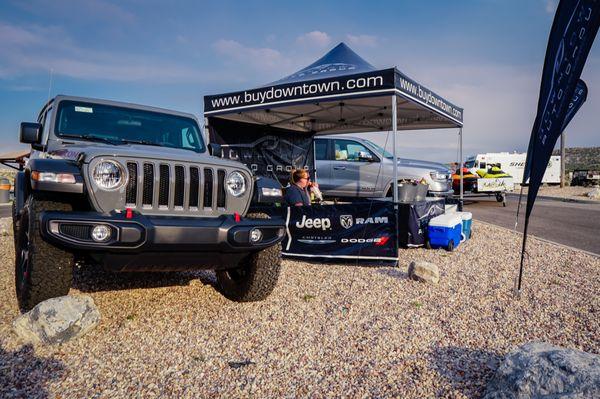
column 465, row 215
column 446, row 220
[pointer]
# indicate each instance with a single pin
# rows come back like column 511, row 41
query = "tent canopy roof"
column 339, row 93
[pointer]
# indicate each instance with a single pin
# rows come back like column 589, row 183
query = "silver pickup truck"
column 356, row 167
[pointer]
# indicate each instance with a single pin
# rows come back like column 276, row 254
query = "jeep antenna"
column 50, row 84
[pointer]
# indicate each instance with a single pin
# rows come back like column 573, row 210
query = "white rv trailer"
column 514, row 165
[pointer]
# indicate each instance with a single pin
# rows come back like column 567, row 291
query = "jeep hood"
column 91, row 150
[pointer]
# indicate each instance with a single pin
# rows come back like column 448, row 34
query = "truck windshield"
column 121, row 125
column 380, row 150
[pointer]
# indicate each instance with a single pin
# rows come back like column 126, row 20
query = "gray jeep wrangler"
column 135, row 188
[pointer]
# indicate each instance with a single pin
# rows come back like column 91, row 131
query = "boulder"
column 541, row 370
column 594, row 194
column 58, row 320
column 424, row 272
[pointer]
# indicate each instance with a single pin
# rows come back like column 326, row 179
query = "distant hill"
column 581, row 158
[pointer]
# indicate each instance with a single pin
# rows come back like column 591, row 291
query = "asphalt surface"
column 5, row 211
column 572, row 224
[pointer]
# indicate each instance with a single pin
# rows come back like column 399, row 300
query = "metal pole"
column 562, row 159
column 394, row 132
column 460, row 164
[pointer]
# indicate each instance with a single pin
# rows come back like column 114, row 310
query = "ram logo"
column 346, row 221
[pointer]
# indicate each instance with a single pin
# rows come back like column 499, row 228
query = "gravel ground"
column 328, row 330
column 575, row 192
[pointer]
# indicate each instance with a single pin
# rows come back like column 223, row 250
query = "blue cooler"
column 445, row 231
column 467, row 220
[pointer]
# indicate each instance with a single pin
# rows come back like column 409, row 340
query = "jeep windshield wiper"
column 161, row 144
column 143, row 142
column 89, row 137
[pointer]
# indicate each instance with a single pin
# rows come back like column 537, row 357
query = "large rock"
column 424, row 271
column 540, row 370
column 58, row 320
column 594, row 194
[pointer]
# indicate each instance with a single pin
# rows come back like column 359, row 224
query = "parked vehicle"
column 134, row 188
column 514, row 165
column 585, row 177
column 356, row 167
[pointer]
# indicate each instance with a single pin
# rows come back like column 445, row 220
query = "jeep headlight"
column 108, row 175
column 236, row 184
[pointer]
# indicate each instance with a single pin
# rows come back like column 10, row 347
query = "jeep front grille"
column 158, row 186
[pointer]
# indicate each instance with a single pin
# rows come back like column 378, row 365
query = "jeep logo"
column 317, row 223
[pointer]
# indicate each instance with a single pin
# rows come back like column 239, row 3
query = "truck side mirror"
column 365, row 156
column 30, row 133
column 214, row 149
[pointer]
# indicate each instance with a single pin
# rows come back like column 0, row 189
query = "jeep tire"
column 42, row 271
column 255, row 277
column 15, row 223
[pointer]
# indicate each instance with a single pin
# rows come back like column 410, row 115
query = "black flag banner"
column 576, row 102
column 571, row 36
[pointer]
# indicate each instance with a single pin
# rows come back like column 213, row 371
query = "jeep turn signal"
column 53, row 177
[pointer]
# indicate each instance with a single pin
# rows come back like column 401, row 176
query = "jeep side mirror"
column 214, row 149
column 31, row 133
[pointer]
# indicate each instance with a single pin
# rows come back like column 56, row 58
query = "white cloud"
column 260, row 58
column 37, row 48
column 362, row 40
column 314, row 39
column 551, row 6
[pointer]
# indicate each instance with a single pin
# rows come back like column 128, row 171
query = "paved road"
column 572, row 224
column 4, row 211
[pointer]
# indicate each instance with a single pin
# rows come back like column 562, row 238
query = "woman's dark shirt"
column 295, row 194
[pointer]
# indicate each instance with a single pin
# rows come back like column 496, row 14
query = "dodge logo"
column 346, row 221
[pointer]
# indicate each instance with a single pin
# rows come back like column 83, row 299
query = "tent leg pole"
column 460, row 163
column 394, row 132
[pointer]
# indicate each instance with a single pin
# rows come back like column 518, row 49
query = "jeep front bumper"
column 161, row 243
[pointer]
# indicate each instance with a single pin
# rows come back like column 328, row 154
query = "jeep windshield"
column 121, row 125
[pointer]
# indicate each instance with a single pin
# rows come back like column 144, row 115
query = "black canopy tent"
column 339, row 93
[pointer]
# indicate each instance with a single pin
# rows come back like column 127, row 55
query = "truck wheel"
column 42, row 271
column 255, row 277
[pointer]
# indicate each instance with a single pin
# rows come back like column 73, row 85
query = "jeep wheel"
column 42, row 271
column 255, row 277
column 15, row 223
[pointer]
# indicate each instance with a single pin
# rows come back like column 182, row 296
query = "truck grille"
column 161, row 186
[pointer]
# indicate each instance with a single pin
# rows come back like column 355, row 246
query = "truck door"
column 354, row 169
column 323, row 165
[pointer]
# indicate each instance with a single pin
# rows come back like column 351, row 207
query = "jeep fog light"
column 101, row 233
column 255, row 236
column 236, row 184
column 108, row 175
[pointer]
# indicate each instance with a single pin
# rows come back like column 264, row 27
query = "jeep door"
column 354, row 169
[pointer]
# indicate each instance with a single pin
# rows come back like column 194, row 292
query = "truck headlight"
column 236, row 184
column 438, row 176
column 272, row 192
column 108, row 175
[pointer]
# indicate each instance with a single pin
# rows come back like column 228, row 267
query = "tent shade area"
column 271, row 129
column 338, row 93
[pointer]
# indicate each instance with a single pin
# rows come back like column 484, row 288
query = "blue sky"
column 485, row 56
